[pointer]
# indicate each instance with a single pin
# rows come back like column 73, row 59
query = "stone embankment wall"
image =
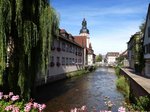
column 136, row 89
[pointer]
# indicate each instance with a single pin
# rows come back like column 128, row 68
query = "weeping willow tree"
column 26, row 31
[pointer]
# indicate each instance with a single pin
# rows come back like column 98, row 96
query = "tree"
column 141, row 48
column 26, row 31
column 98, row 58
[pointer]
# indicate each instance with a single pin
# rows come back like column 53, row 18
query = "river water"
column 92, row 90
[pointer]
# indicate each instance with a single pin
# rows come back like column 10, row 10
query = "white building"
column 111, row 58
column 66, row 56
column 147, row 44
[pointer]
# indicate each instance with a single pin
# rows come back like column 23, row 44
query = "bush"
column 117, row 71
column 142, row 103
column 77, row 73
column 123, row 86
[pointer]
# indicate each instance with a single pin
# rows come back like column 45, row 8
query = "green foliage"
column 120, row 60
column 142, row 27
column 117, row 71
column 77, row 73
column 98, row 58
column 123, row 86
column 31, row 24
column 142, row 103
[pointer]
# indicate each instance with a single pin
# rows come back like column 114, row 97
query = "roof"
column 112, row 54
column 81, row 40
column 68, row 37
column 124, row 53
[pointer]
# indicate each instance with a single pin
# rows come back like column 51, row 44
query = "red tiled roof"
column 67, row 37
column 81, row 40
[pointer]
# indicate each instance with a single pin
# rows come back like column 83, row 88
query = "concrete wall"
column 135, row 88
column 147, row 68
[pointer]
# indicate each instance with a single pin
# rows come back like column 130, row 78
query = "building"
column 111, row 58
column 84, row 40
column 134, row 50
column 124, row 58
column 66, row 56
column 146, row 44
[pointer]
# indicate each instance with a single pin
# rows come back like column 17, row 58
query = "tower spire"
column 84, row 27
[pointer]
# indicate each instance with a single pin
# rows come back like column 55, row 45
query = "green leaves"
column 32, row 31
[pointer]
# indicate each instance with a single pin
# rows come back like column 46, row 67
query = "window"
column 58, row 46
column 73, row 49
column 73, row 61
column 147, row 48
column 67, row 47
column 52, row 61
column 76, row 61
column 63, row 46
column 70, row 49
column 66, row 61
column 53, row 46
column 149, row 31
column 70, row 61
column 63, row 61
column 52, row 58
column 58, row 61
column 79, row 61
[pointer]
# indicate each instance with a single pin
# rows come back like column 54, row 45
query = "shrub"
column 117, row 71
column 123, row 86
column 142, row 103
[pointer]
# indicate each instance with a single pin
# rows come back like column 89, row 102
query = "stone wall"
column 135, row 89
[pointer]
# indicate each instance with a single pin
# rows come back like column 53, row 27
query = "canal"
column 92, row 90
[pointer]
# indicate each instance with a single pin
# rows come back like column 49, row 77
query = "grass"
column 77, row 73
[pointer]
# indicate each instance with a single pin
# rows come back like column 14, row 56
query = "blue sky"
column 110, row 22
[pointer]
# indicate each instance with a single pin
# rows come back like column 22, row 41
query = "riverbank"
column 85, row 70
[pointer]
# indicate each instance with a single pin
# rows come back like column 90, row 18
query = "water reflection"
column 90, row 90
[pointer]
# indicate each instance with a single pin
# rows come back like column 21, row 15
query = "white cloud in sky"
column 110, row 27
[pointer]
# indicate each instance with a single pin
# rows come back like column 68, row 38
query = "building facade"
column 66, row 56
column 146, row 44
column 111, row 58
column 134, row 50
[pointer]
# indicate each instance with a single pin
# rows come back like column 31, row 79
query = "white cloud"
column 110, row 27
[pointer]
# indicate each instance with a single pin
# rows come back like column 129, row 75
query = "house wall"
column 90, row 59
column 147, row 68
column 62, row 61
column 146, row 38
column 147, row 45
column 111, row 59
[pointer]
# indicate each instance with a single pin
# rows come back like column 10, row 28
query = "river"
column 92, row 90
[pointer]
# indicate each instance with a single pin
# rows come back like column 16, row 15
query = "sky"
column 110, row 22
